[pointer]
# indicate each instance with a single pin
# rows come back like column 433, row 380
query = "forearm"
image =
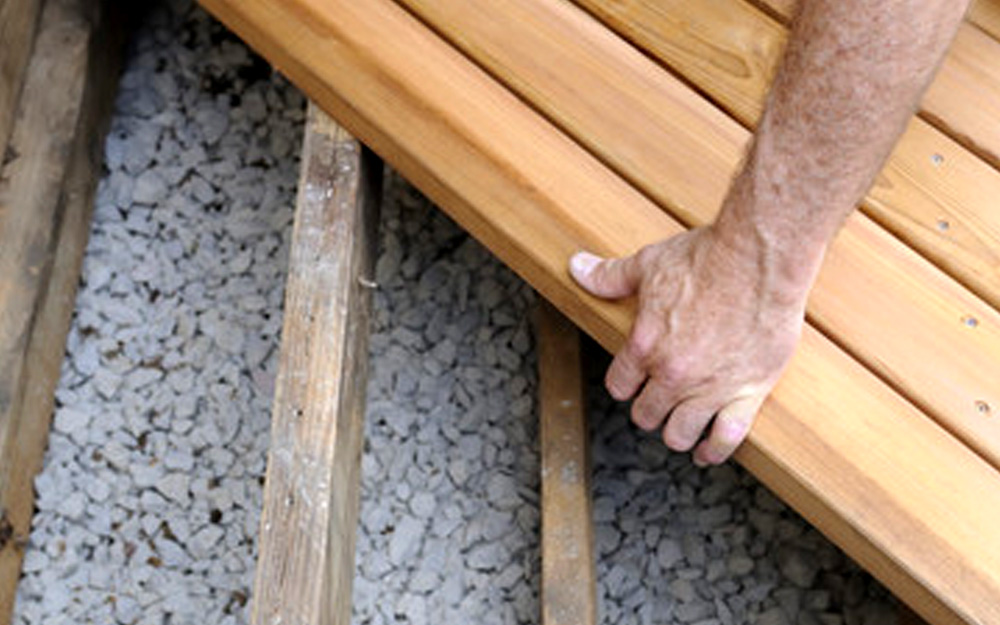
column 852, row 76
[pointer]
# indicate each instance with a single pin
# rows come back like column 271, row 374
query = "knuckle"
column 652, row 406
column 676, row 438
column 672, row 370
column 729, row 437
column 646, row 255
column 616, row 389
column 638, row 418
column 642, row 344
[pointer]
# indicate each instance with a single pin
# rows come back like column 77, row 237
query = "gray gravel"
column 150, row 497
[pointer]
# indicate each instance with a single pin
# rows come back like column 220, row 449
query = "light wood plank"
column 883, row 303
column 908, row 617
column 569, row 585
column 305, row 570
column 82, row 37
column 18, row 19
column 725, row 47
column 986, row 15
column 848, row 452
column 964, row 99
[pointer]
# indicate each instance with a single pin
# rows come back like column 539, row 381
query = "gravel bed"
column 150, row 497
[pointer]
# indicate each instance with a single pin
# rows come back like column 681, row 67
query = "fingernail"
column 582, row 263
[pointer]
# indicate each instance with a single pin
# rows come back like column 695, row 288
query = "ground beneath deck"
column 150, row 497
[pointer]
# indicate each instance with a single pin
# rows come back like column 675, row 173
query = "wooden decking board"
column 964, row 99
column 985, row 14
column 848, row 451
column 305, row 570
column 46, row 199
column 569, row 585
column 895, row 316
column 729, row 50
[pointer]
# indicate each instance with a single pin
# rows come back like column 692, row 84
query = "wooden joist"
column 569, row 585
column 18, row 19
column 46, row 199
column 857, row 458
column 305, row 569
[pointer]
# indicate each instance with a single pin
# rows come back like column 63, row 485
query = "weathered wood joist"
column 305, row 570
column 47, row 186
column 18, row 20
column 844, row 448
column 569, row 578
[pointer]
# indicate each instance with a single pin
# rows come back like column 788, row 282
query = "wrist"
column 780, row 262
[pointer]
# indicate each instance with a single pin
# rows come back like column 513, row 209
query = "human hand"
column 715, row 327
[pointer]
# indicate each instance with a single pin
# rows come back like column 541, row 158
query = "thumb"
column 611, row 278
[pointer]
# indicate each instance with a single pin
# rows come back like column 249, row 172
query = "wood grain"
column 882, row 302
column 84, row 37
column 305, row 570
column 18, row 19
column 964, row 99
column 908, row 617
column 569, row 585
column 900, row 495
column 914, row 193
column 986, row 15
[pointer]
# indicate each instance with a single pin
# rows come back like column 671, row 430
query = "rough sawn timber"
column 46, row 200
column 569, row 584
column 18, row 19
column 847, row 451
column 305, row 570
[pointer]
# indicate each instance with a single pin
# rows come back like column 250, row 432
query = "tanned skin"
column 721, row 308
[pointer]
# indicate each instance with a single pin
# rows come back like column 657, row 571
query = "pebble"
column 150, row 188
column 669, row 553
column 798, row 566
column 175, row 486
column 740, row 565
column 73, row 423
column 423, row 505
column 405, row 541
column 773, row 616
column 487, row 557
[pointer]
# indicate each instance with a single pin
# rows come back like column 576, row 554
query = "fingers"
column 687, row 422
column 650, row 409
column 731, row 427
column 628, row 370
column 610, row 278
